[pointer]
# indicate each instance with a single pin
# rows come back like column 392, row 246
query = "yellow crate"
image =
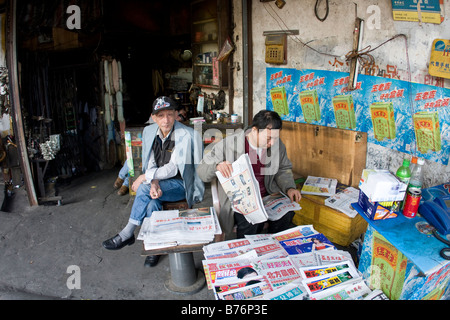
column 335, row 225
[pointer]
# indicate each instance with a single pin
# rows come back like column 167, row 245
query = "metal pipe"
column 16, row 108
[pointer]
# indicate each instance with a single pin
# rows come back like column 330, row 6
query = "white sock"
column 128, row 231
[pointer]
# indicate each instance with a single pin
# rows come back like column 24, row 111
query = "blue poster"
column 400, row 115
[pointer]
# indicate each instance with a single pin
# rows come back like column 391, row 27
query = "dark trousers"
column 244, row 227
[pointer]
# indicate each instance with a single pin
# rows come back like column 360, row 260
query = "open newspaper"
column 173, row 227
column 342, row 201
column 243, row 191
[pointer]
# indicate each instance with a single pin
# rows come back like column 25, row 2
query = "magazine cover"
column 312, row 243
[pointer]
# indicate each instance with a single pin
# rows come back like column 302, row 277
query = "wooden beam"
column 16, row 109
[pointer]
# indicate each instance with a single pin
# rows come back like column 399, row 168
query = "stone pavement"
column 40, row 247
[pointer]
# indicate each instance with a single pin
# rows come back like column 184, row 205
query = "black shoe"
column 151, row 261
column 116, row 243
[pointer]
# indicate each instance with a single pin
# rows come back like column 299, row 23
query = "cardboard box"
column 338, row 227
column 377, row 210
column 381, row 185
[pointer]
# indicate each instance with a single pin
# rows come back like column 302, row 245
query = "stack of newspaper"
column 173, row 227
column 296, row 264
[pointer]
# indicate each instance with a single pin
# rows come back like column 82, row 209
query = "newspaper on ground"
column 342, row 201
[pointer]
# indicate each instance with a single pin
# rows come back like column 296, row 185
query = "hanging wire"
column 366, row 59
column 327, row 10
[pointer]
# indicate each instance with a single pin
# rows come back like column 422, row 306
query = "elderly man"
column 271, row 166
column 170, row 153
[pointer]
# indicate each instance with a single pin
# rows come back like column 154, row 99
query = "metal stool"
column 184, row 278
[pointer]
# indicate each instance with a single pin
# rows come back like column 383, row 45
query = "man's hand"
column 155, row 190
column 225, row 168
column 294, row 195
column 137, row 182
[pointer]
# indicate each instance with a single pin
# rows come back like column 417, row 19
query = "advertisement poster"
column 400, row 115
column 428, row 11
column 439, row 65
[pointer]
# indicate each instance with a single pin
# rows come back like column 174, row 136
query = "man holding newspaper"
column 271, row 168
column 170, row 152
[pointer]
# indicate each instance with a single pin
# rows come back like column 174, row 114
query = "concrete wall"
column 335, row 36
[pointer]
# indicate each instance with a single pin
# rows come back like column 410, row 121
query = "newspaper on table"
column 319, row 284
column 354, row 291
column 279, row 271
column 319, row 186
column 255, row 238
column 173, row 227
column 253, row 289
column 238, row 244
column 220, row 289
column 244, row 194
column 291, row 291
column 222, row 271
column 269, row 248
column 314, row 242
column 295, row 232
column 342, row 201
column 254, row 269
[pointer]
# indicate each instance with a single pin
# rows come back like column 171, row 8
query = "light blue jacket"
column 189, row 153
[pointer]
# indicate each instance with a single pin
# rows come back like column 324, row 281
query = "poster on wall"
column 427, row 11
column 397, row 114
column 439, row 65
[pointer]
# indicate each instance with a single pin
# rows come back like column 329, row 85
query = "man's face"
column 165, row 120
column 267, row 137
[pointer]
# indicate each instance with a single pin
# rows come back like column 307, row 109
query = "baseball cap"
column 163, row 103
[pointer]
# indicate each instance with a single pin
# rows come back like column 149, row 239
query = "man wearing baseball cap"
column 170, row 154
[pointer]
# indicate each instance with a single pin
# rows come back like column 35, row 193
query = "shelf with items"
column 209, row 31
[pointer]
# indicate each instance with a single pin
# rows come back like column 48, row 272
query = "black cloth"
column 244, row 227
column 163, row 151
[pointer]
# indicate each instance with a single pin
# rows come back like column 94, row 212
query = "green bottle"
column 404, row 173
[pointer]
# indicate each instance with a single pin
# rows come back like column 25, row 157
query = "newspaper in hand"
column 243, row 191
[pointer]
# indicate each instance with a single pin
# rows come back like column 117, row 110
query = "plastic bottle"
column 416, row 180
column 403, row 173
column 413, row 163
